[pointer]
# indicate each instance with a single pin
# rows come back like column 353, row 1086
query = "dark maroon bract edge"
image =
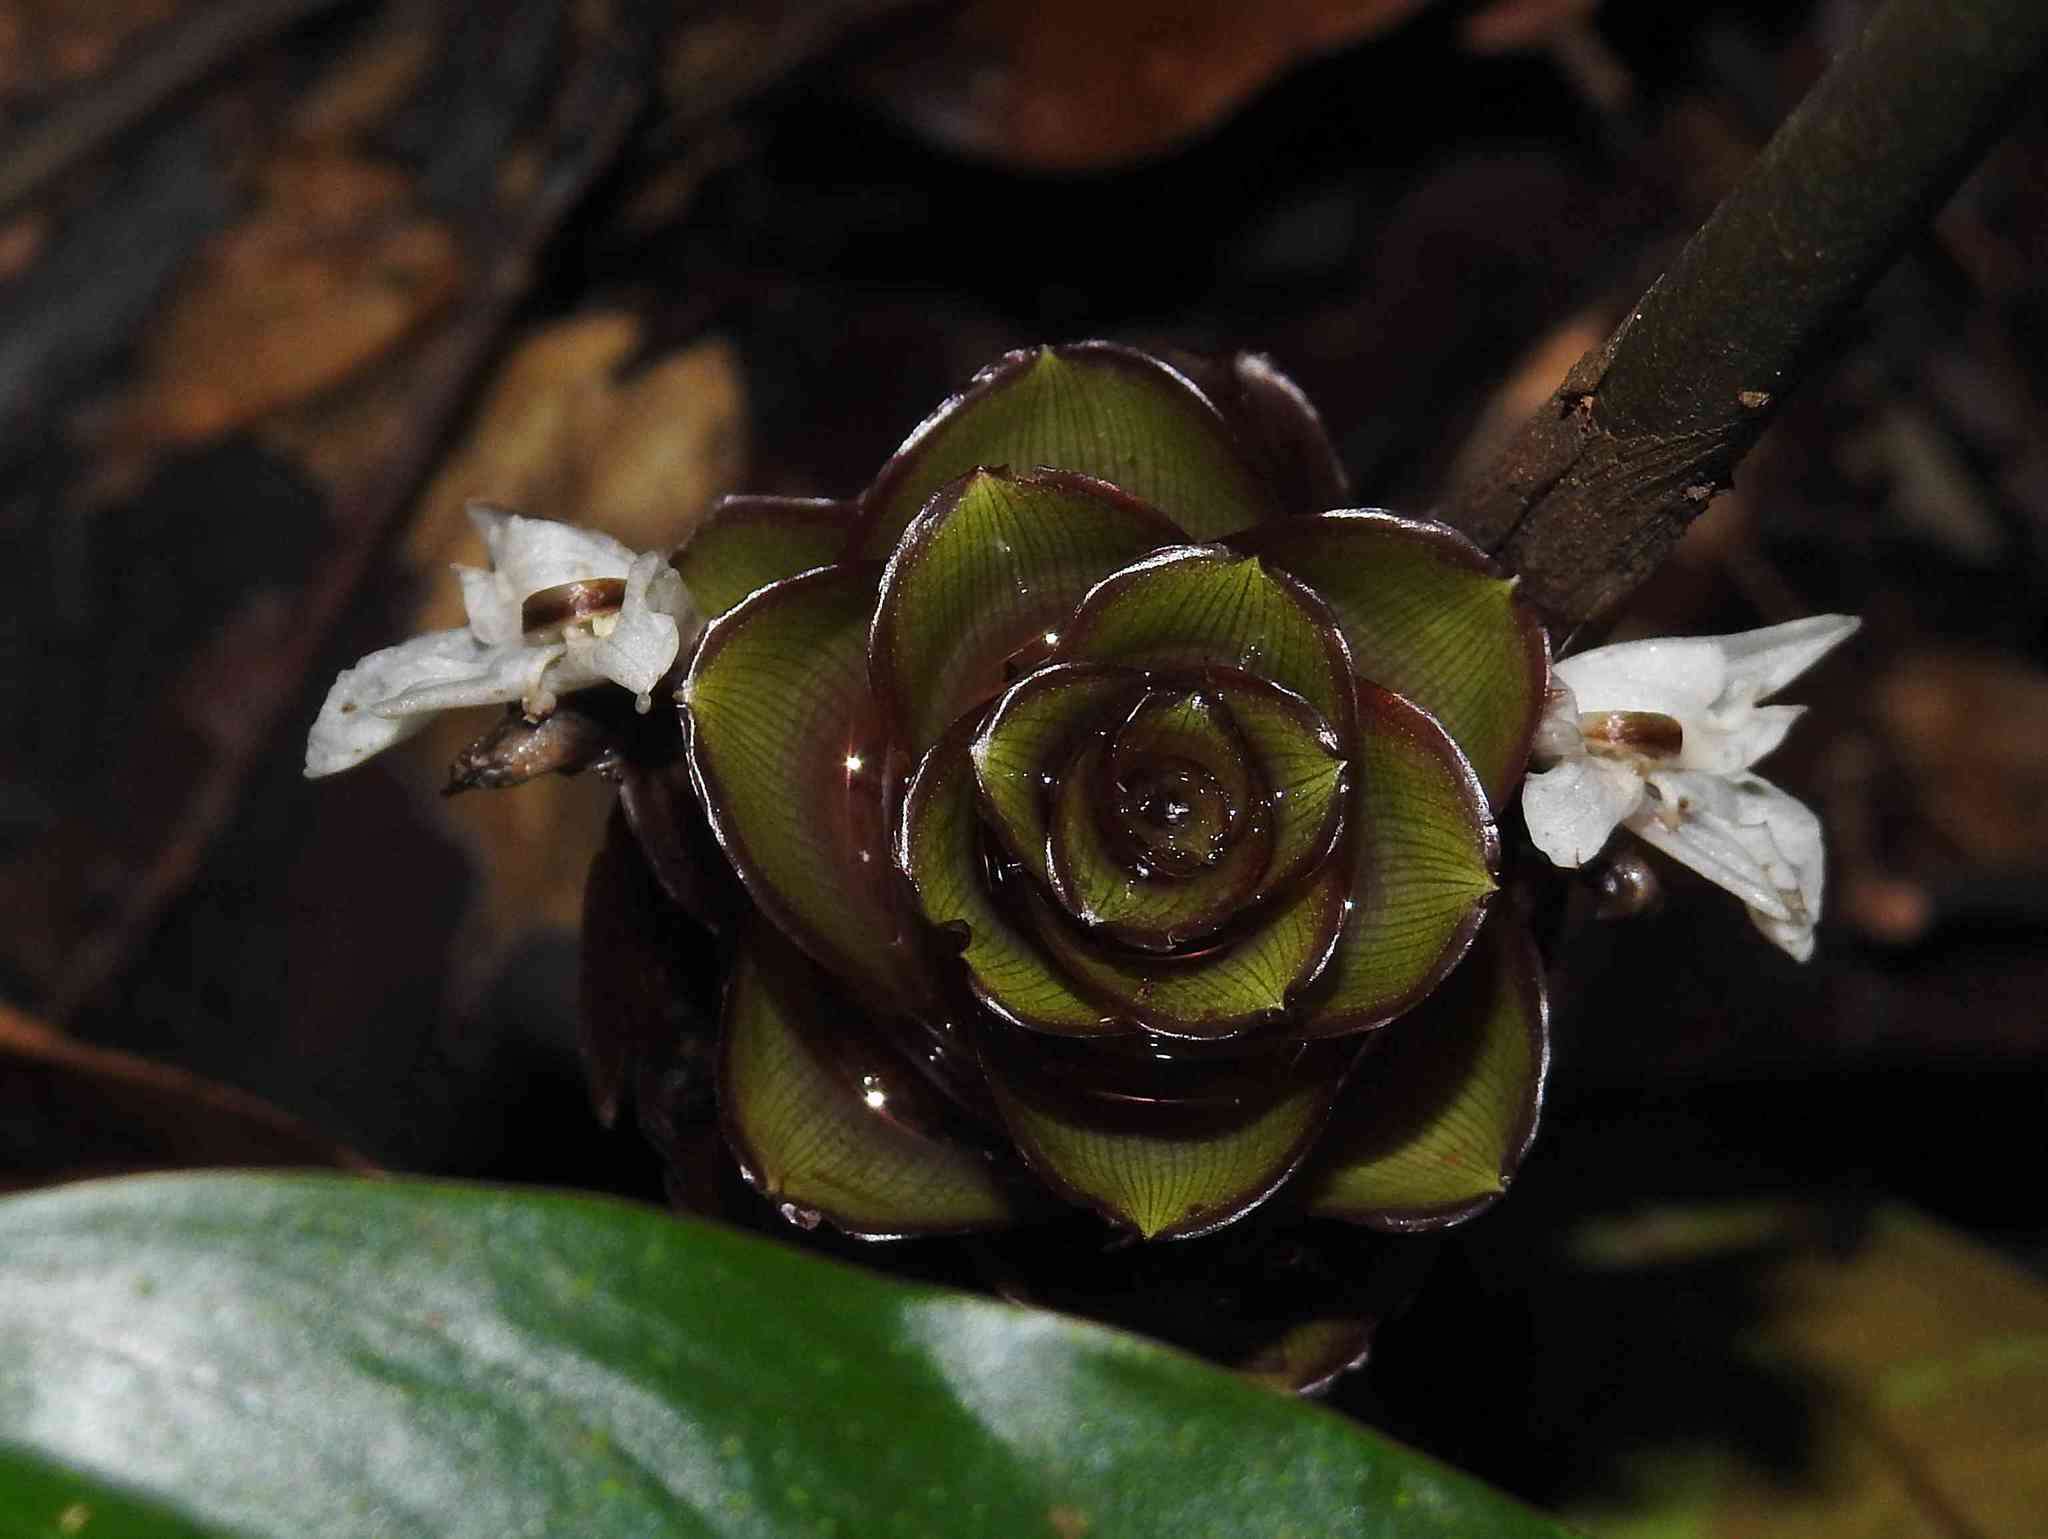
column 1397, row 713
column 1278, row 425
column 863, row 541
column 1337, row 651
column 1525, row 970
column 1052, row 676
column 850, row 1047
column 661, row 807
column 951, row 754
column 1030, row 1079
column 917, row 989
column 826, row 514
column 1095, row 780
column 1265, row 1028
column 1319, row 853
column 912, row 547
column 1273, row 539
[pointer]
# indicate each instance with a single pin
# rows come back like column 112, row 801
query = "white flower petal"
column 493, row 611
column 501, row 675
column 529, row 554
column 351, row 727
column 1795, row 838
column 642, row 646
column 1557, row 729
column 1573, row 809
column 1762, row 662
column 1738, row 831
column 1678, row 676
column 1754, row 732
column 390, row 694
column 1710, row 847
column 1761, row 843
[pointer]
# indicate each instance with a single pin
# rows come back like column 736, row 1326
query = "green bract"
column 1116, row 820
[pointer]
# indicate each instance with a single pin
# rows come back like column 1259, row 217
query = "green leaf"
column 1425, row 615
column 786, row 747
column 1106, row 411
column 1436, row 1120
column 1183, row 732
column 1424, row 854
column 939, row 849
column 1098, row 885
column 1034, row 729
column 44, row 1500
column 1204, row 606
column 1248, row 982
column 1117, row 1135
column 1300, row 768
column 1255, row 779
column 826, row 1121
column 748, row 542
column 993, row 566
column 292, row 1356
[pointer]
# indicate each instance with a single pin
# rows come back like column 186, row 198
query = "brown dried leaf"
column 68, row 1109
column 1075, row 84
column 1973, row 732
column 370, row 82
column 21, row 241
column 48, row 44
column 1508, row 25
column 335, row 264
column 570, row 428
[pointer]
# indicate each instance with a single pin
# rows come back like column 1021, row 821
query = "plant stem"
column 1599, row 485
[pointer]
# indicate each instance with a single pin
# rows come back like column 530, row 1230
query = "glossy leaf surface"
column 1278, row 425
column 939, row 847
column 1203, row 606
column 826, row 1121
column 1105, row 888
column 993, row 565
column 1032, row 733
column 1301, row 773
column 748, row 542
column 787, row 751
column 289, row 1356
column 1425, row 616
column 1179, row 777
column 1242, row 983
column 1167, row 1168
column 1093, row 407
column 641, row 977
column 1425, row 852
column 1438, row 1117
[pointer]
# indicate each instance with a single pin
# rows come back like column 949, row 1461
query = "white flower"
column 560, row 608
column 1658, row 737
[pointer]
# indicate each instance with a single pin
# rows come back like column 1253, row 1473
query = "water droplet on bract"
column 803, row 1218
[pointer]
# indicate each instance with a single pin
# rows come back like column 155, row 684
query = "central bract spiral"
column 1180, row 784
column 1184, row 786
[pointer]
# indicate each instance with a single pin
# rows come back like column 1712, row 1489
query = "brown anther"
column 1632, row 734
column 566, row 603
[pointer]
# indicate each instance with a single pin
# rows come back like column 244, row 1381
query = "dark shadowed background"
column 283, row 284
